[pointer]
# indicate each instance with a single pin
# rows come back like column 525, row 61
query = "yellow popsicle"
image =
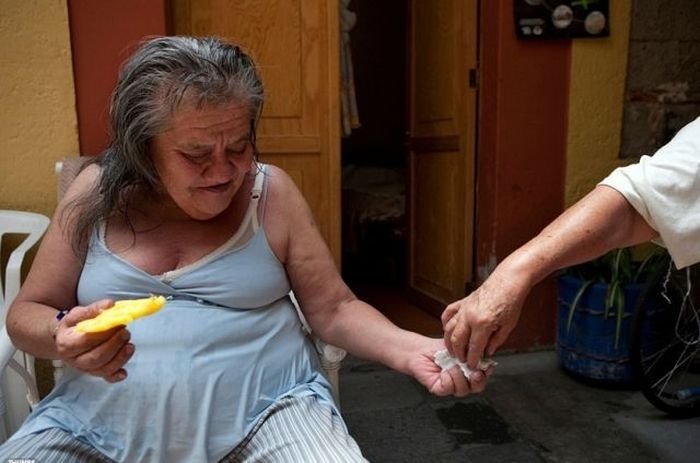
column 121, row 313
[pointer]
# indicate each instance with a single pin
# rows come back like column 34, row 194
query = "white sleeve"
column 665, row 190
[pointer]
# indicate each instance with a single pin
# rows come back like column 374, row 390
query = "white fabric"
column 665, row 190
column 445, row 360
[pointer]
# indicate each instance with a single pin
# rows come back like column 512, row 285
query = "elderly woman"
column 178, row 206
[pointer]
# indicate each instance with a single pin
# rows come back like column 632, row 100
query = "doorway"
column 373, row 154
column 408, row 169
column 374, row 164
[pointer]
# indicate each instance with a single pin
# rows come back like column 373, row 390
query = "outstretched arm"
column 334, row 313
column 600, row 222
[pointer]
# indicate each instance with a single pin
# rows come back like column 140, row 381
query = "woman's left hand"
column 444, row 383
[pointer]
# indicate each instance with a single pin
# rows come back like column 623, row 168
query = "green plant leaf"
column 650, row 264
column 619, row 265
column 616, row 265
column 575, row 302
column 617, row 269
column 610, row 298
column 620, row 311
column 627, row 266
column 642, row 268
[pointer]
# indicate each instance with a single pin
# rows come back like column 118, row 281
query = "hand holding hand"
column 444, row 383
column 101, row 354
column 480, row 323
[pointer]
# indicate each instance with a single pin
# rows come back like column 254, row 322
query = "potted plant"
column 596, row 302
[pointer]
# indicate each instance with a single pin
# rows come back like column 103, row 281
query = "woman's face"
column 203, row 157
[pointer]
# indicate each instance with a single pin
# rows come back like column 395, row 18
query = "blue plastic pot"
column 587, row 348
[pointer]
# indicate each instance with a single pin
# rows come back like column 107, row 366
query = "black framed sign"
column 561, row 19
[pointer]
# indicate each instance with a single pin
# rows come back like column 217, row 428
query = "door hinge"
column 473, row 78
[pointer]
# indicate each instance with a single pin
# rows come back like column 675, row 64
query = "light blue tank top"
column 225, row 347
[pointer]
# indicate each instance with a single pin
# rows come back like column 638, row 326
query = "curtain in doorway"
column 350, row 118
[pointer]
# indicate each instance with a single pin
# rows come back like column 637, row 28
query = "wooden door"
column 295, row 44
column 442, row 119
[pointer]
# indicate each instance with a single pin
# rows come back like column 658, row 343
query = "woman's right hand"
column 101, row 354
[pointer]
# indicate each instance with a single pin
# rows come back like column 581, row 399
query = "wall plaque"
column 561, row 19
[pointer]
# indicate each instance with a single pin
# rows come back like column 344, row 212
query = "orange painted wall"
column 103, row 34
column 521, row 156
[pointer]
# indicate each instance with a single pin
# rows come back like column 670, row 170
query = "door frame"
column 521, row 154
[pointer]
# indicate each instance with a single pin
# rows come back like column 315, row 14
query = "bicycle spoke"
column 666, row 342
column 667, row 377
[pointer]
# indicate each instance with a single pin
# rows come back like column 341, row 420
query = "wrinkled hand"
column 444, row 383
column 480, row 323
column 100, row 354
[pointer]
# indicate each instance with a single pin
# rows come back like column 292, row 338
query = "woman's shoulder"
column 285, row 206
column 84, row 181
column 279, row 183
column 275, row 172
column 82, row 184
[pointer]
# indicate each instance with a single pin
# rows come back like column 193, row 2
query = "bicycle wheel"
column 665, row 341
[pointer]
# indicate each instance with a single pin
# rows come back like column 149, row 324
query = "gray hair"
column 163, row 75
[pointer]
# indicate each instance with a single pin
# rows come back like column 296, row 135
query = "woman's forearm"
column 366, row 333
column 31, row 327
column 600, row 222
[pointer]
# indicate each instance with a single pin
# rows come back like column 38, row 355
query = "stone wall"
column 663, row 78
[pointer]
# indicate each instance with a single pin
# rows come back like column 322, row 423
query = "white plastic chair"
column 18, row 390
column 330, row 356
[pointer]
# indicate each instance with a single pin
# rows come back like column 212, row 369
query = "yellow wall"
column 598, row 72
column 38, row 124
